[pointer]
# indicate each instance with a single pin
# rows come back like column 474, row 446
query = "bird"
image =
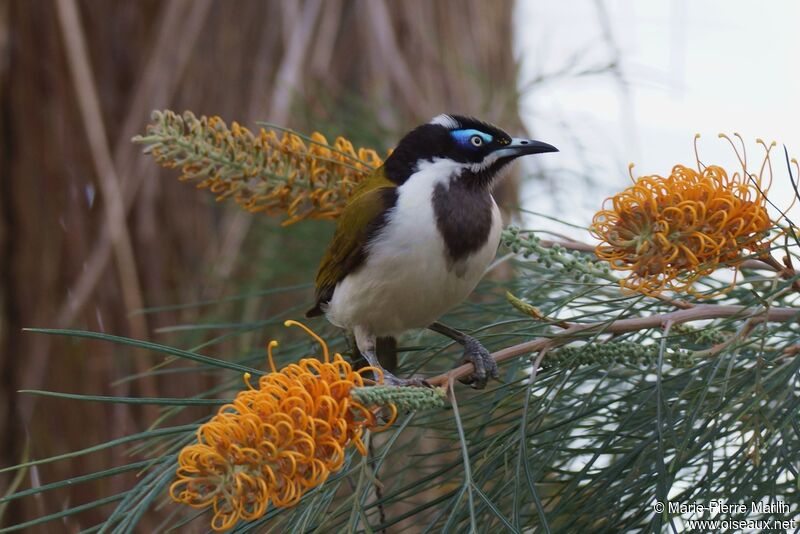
column 416, row 237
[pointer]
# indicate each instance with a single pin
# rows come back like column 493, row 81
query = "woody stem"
column 786, row 272
column 577, row 331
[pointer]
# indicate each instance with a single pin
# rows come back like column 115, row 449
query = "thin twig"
column 719, row 347
column 465, row 455
column 158, row 82
column 522, row 455
column 287, row 81
column 377, row 485
column 587, row 247
column 785, row 272
column 697, row 313
column 386, row 44
column 89, row 106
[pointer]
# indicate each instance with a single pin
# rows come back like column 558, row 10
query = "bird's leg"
column 366, row 345
column 474, row 353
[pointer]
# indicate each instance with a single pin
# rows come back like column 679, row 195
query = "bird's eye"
column 476, row 140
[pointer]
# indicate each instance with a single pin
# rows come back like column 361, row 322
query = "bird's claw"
column 481, row 359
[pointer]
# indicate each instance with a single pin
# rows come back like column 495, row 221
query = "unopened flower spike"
column 405, row 399
column 278, row 439
column 274, row 171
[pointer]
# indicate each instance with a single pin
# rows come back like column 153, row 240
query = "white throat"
column 436, row 171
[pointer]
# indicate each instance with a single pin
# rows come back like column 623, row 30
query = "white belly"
column 407, row 281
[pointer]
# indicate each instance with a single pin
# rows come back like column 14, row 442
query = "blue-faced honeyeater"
column 417, row 236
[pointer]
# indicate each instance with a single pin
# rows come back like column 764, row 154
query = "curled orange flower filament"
column 670, row 231
column 275, row 442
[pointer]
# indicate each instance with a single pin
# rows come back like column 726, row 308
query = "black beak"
column 523, row 147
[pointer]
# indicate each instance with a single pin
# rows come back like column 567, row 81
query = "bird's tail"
column 385, row 349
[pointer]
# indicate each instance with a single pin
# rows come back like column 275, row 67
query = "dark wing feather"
column 361, row 219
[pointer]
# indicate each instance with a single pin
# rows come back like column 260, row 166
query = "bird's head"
column 475, row 149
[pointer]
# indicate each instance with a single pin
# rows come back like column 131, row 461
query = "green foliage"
column 608, row 424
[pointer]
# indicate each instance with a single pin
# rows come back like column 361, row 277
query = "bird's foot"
column 481, row 359
column 390, row 380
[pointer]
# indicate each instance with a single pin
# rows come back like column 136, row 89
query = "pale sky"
column 702, row 66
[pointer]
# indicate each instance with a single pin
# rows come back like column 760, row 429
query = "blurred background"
column 618, row 82
column 94, row 236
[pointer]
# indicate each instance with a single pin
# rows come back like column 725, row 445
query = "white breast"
column 406, row 281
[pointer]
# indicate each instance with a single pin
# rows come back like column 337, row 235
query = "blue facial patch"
column 463, row 136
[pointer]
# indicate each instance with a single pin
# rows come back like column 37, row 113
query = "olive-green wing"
column 361, row 218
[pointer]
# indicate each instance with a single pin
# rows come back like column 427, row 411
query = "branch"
column 697, row 313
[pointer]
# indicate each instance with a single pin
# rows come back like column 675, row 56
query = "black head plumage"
column 482, row 148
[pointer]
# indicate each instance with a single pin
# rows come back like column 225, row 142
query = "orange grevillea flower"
column 669, row 231
column 275, row 442
column 267, row 171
